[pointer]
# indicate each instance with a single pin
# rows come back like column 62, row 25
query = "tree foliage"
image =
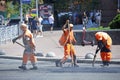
column 77, row 5
column 28, row 7
column 11, row 10
column 13, row 7
column 59, row 5
column 115, row 23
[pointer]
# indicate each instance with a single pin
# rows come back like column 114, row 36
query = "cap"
column 98, row 36
column 23, row 25
column 71, row 25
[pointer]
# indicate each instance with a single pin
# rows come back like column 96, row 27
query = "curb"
column 54, row 59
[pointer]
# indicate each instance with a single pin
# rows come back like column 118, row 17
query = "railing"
column 7, row 33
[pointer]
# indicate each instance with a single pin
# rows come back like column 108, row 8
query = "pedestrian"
column 90, row 23
column 67, row 41
column 98, row 17
column 84, row 20
column 104, row 43
column 51, row 21
column 26, row 22
column 29, row 44
column 40, row 26
column 34, row 26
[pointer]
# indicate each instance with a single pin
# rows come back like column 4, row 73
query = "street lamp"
column 37, row 7
column 118, row 10
column 21, row 12
column 118, row 4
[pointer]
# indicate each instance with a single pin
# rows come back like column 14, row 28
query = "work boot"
column 75, row 61
column 76, row 65
column 61, row 64
column 34, row 68
column 58, row 63
column 102, row 65
column 105, row 63
column 22, row 67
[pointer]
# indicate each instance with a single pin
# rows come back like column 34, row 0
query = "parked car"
column 13, row 21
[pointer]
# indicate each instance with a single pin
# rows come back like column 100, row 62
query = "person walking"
column 29, row 45
column 67, row 39
column 40, row 26
column 84, row 20
column 51, row 21
column 34, row 26
column 104, row 43
column 98, row 17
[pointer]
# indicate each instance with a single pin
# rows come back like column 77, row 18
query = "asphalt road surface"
column 47, row 71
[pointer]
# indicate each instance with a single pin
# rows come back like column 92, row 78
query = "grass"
column 99, row 28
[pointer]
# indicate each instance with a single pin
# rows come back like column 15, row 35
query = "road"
column 47, row 71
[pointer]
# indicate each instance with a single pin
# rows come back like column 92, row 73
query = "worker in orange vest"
column 29, row 45
column 104, row 44
column 67, row 39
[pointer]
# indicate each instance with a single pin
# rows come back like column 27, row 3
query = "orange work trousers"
column 106, row 56
column 30, row 57
column 68, row 50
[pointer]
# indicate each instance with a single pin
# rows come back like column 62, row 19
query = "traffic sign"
column 26, row 1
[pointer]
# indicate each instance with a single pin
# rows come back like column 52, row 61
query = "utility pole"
column 37, row 7
column 21, row 12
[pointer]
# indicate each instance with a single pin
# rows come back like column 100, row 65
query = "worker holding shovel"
column 29, row 45
column 104, row 43
column 67, row 39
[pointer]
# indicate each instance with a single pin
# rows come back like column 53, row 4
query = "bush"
column 115, row 23
column 99, row 28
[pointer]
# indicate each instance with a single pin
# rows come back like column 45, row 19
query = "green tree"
column 62, row 5
column 28, row 7
column 14, row 6
column 41, row 1
column 77, row 5
column 59, row 5
column 11, row 9
column 115, row 23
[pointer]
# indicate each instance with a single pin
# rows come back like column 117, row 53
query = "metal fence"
column 7, row 33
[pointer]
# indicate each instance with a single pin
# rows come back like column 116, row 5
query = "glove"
column 14, row 40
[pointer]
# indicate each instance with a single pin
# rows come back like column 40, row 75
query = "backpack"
column 63, row 39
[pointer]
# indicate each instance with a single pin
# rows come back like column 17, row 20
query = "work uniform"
column 106, row 42
column 29, row 48
column 66, row 41
column 68, row 47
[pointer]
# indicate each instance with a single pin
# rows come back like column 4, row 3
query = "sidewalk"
column 49, row 43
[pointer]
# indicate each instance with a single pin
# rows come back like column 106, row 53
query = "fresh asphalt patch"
column 7, row 65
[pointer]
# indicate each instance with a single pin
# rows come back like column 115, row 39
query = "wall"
column 109, row 10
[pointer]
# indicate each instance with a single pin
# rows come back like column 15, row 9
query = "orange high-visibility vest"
column 66, row 37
